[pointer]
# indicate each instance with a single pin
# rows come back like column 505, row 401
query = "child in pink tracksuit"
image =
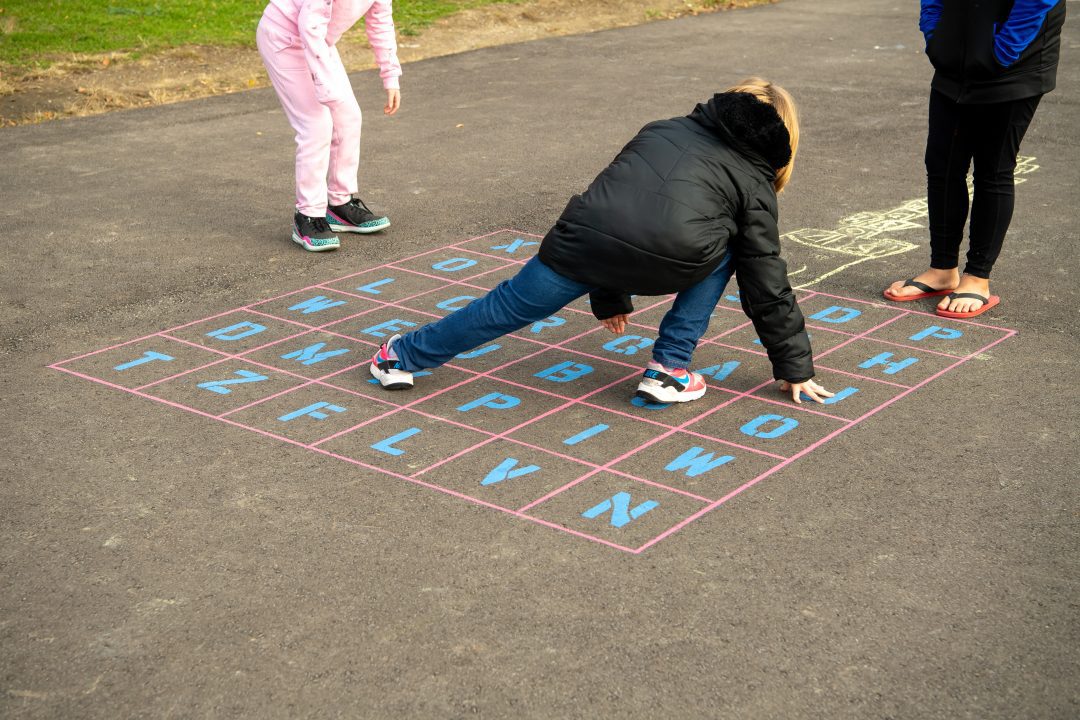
column 296, row 40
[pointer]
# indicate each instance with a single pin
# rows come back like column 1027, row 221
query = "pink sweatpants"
column 327, row 136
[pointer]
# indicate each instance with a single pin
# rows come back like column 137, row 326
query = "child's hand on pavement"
column 393, row 101
column 616, row 324
column 812, row 390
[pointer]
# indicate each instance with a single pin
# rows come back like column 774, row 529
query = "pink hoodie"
column 320, row 23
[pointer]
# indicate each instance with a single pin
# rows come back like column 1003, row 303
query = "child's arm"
column 606, row 304
column 766, row 295
column 312, row 21
column 379, row 26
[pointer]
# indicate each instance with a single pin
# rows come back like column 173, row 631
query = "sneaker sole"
column 313, row 248
column 674, row 397
column 392, row 386
column 358, row 229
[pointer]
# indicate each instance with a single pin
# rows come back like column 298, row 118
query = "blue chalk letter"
column 891, row 368
column 753, row 428
column 311, row 355
column 147, row 356
column 696, row 461
column 836, row 314
column 479, row 351
column 496, row 401
column 505, row 470
column 935, row 331
column 246, row 376
column 387, row 445
column 627, row 344
column 452, row 305
column 585, row 434
column 370, row 287
column 513, row 246
column 390, row 325
column 564, row 372
column 315, row 304
column 453, row 264
column 237, row 331
column 619, row 505
column 313, row 410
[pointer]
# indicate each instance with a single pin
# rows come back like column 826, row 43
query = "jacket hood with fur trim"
column 751, row 126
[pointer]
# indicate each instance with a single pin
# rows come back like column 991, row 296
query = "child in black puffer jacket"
column 687, row 203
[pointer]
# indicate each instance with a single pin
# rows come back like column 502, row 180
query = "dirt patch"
column 93, row 84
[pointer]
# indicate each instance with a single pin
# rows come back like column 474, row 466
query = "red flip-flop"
column 927, row 291
column 987, row 303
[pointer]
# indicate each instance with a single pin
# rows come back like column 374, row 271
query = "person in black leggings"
column 993, row 62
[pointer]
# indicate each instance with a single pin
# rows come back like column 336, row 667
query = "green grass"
column 33, row 32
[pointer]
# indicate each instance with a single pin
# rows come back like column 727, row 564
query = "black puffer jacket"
column 681, row 195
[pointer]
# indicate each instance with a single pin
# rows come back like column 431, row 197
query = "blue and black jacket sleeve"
column 1025, row 21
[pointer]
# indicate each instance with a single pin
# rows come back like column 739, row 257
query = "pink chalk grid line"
column 592, row 469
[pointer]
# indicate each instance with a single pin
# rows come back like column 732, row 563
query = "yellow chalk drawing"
column 859, row 237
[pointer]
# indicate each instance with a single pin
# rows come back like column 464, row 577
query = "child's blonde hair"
column 784, row 105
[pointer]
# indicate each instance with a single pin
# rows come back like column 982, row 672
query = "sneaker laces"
column 319, row 224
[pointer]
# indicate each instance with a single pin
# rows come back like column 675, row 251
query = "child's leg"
column 948, row 156
column 998, row 135
column 291, row 78
column 344, row 143
column 533, row 294
column 688, row 318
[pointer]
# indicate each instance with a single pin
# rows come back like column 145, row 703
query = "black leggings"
column 990, row 134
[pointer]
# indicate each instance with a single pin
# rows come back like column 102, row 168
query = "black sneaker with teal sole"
column 313, row 233
column 355, row 216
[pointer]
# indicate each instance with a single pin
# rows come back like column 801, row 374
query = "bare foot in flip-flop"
column 972, row 297
column 931, row 283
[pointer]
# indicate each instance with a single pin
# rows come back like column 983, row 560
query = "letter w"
column 697, row 461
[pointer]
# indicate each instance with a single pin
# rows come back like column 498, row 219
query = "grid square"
column 565, row 373
column 590, row 434
column 505, row 474
column 782, row 430
column 542, row 423
column 315, row 307
column 237, row 332
column 402, row 443
column 378, row 326
column 854, row 396
column 383, row 285
column 227, row 385
column 451, row 265
column 309, row 413
column 489, row 280
column 140, row 363
column 886, row 362
column 314, row 355
column 508, row 244
column 722, row 320
column 694, row 464
column 617, row 509
column 937, row 334
column 489, row 405
column 850, row 316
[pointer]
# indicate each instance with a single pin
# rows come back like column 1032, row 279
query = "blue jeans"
column 536, row 293
column 689, row 316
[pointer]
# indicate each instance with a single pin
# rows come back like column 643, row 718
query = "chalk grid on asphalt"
column 539, row 424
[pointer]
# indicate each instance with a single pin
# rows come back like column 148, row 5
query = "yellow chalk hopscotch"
column 859, row 237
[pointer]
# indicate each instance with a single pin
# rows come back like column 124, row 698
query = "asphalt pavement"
column 156, row 564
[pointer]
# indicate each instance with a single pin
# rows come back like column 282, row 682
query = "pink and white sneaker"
column 386, row 368
column 669, row 385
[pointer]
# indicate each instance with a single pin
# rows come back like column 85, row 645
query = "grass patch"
column 36, row 32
